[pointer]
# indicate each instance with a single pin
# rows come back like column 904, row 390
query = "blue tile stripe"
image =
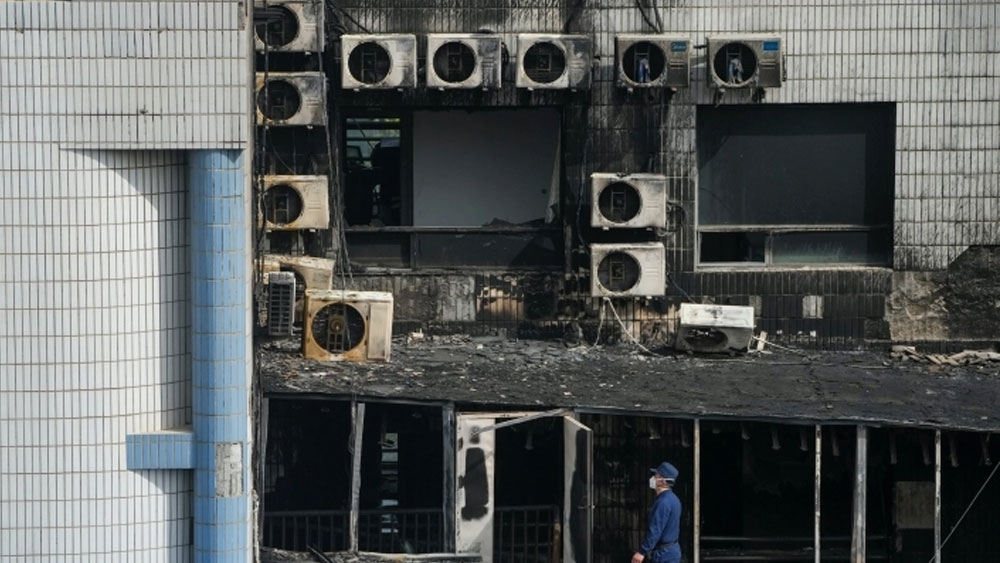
column 160, row 450
column 220, row 356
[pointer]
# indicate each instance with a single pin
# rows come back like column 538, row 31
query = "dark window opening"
column 295, row 151
column 282, row 205
column 967, row 461
column 544, row 62
column 454, row 62
column 643, row 62
column 437, row 188
column 759, row 505
column 307, row 475
column 401, row 480
column 281, row 27
column 529, row 491
column 369, row 63
column 278, row 100
column 625, row 447
column 900, row 511
column 796, row 184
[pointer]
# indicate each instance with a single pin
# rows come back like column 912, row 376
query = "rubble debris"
column 271, row 555
column 963, row 358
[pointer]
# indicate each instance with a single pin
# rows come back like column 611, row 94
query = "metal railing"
column 326, row 530
column 401, row 530
column 525, row 534
column 744, row 548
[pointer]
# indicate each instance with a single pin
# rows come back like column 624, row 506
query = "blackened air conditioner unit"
column 378, row 62
column 714, row 328
column 653, row 61
column 347, row 325
column 746, row 61
column 296, row 203
column 291, row 99
column 464, row 60
column 628, row 201
column 289, row 26
column 554, row 61
column 627, row 270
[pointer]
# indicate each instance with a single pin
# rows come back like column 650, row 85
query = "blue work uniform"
column 664, row 530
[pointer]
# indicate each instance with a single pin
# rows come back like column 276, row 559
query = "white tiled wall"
column 125, row 74
column 94, row 262
column 94, row 344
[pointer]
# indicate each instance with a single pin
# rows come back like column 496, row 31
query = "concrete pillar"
column 220, row 354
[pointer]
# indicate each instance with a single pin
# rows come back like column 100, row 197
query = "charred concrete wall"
column 933, row 61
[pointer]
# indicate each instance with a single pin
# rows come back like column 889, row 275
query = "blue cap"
column 667, row 471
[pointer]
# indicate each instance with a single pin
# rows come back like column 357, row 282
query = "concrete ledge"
column 166, row 449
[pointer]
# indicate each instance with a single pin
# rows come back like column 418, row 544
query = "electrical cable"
column 967, row 509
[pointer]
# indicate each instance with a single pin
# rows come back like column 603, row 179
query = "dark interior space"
column 307, row 474
column 900, row 526
column 834, row 161
column 402, row 461
column 528, row 491
column 758, row 491
column 968, row 463
column 625, row 448
column 837, row 491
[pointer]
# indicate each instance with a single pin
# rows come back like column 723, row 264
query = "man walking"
column 664, row 520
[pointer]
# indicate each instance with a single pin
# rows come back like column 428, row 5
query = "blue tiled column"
column 220, row 355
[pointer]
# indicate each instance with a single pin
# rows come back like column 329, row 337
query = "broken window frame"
column 409, row 241
column 771, row 233
column 477, row 534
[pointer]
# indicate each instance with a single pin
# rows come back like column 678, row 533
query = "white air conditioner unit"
column 746, row 61
column 463, row 60
column 310, row 272
column 627, row 270
column 294, row 203
column 378, row 62
column 345, row 325
column 653, row 61
column 553, row 61
column 291, row 98
column 289, row 26
column 628, row 201
column 281, row 297
column 714, row 328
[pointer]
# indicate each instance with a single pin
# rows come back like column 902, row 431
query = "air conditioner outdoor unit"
column 280, row 303
column 310, row 272
column 291, row 98
column 289, row 26
column 463, row 60
column 714, row 328
column 345, row 325
column 653, row 61
column 627, row 270
column 628, row 201
column 378, row 62
column 296, row 202
column 746, row 61
column 553, row 61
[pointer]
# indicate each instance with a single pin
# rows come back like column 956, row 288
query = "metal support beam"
column 817, row 492
column 448, row 476
column 937, row 496
column 357, row 436
column 521, row 420
column 697, row 491
column 859, row 536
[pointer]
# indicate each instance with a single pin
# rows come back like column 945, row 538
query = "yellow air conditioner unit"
column 294, row 203
column 343, row 325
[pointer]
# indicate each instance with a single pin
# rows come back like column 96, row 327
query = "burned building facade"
column 579, row 172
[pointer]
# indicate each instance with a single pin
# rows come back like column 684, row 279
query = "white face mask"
column 652, row 482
